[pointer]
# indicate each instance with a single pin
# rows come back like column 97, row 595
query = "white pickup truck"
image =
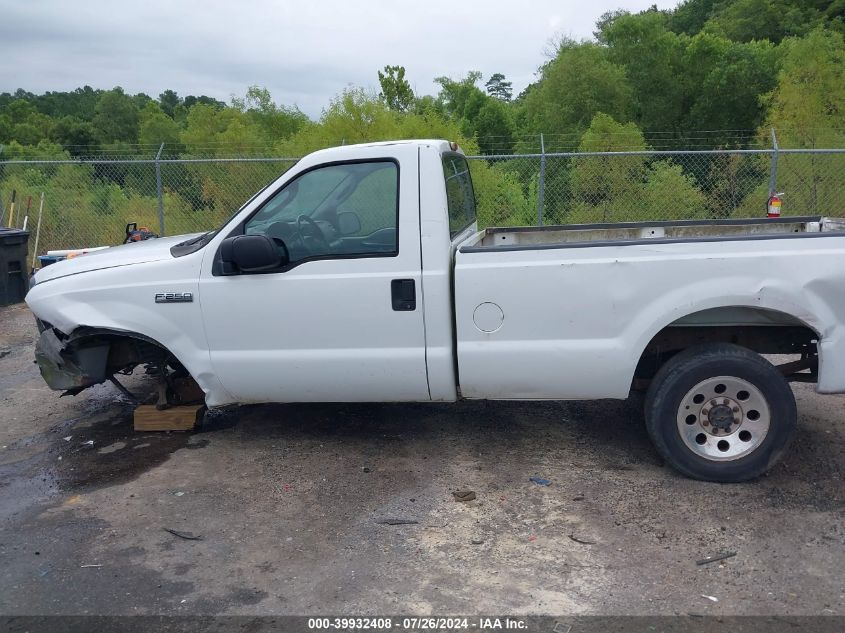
column 360, row 275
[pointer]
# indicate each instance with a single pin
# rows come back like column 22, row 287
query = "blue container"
column 46, row 260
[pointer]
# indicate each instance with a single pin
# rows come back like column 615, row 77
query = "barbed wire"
column 489, row 144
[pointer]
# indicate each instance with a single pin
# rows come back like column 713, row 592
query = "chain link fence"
column 88, row 203
column 576, row 188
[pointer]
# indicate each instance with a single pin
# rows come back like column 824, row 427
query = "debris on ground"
column 711, row 598
column 540, row 481
column 477, row 541
column 464, row 495
column 715, row 558
column 580, row 540
column 578, row 498
column 5, row 351
column 84, row 566
column 397, row 521
column 68, row 438
column 88, row 443
column 188, row 536
column 366, row 469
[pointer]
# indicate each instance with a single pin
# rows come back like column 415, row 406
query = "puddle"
column 118, row 453
column 103, row 452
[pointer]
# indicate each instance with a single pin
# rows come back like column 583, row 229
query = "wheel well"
column 89, row 356
column 764, row 331
column 126, row 350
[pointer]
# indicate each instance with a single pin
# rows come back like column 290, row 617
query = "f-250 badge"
column 174, row 297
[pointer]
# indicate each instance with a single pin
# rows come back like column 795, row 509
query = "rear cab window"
column 460, row 197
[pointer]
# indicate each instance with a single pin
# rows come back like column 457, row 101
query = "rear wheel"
column 720, row 412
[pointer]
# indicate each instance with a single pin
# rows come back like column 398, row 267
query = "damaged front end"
column 68, row 368
column 89, row 356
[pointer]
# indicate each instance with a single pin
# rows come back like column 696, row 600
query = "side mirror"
column 251, row 254
column 348, row 223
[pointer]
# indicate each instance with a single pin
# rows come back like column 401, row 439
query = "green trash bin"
column 14, row 280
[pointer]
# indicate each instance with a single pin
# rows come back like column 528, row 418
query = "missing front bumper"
column 70, row 369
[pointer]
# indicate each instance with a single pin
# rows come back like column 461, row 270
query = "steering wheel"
column 316, row 232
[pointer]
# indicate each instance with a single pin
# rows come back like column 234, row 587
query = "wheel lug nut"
column 705, row 423
column 735, row 409
column 713, row 403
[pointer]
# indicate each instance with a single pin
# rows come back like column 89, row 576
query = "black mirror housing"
column 251, row 254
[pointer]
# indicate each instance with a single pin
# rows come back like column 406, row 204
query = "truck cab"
column 331, row 284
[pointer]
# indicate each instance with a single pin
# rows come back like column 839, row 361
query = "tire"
column 720, row 412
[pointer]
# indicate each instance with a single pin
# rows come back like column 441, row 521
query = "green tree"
column 395, row 90
column 723, row 82
column 493, row 128
column 461, row 98
column 690, row 16
column 76, row 134
column 608, row 184
column 156, row 127
column 191, row 100
column 669, row 194
column 808, row 105
column 651, row 55
column 478, row 114
column 277, row 122
column 25, row 123
column 169, row 101
column 357, row 116
column 808, row 111
column 116, row 117
column 748, row 20
column 578, row 83
column 605, row 21
column 257, row 99
column 499, row 88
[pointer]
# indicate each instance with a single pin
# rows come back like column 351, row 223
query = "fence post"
column 159, row 192
column 773, row 173
column 541, row 189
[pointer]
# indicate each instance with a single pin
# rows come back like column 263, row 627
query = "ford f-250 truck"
column 360, row 275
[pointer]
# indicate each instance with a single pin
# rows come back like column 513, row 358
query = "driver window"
column 341, row 210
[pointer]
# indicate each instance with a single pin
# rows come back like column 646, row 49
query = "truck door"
column 343, row 320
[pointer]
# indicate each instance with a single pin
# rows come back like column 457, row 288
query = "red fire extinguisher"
column 773, row 205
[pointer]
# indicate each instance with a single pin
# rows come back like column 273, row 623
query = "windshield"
column 196, row 243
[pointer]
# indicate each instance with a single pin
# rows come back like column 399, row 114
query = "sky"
column 305, row 53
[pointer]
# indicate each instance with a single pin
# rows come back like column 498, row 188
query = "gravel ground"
column 290, row 500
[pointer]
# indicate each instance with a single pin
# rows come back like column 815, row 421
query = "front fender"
column 122, row 299
column 67, row 369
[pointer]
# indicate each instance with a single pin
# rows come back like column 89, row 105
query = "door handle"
column 403, row 293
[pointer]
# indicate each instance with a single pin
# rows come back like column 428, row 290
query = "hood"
column 124, row 255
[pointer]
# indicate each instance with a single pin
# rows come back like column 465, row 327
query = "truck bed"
column 566, row 311
column 617, row 234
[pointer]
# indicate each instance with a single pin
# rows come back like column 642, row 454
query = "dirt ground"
column 289, row 502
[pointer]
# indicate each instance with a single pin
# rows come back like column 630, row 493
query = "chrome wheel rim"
column 723, row 418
